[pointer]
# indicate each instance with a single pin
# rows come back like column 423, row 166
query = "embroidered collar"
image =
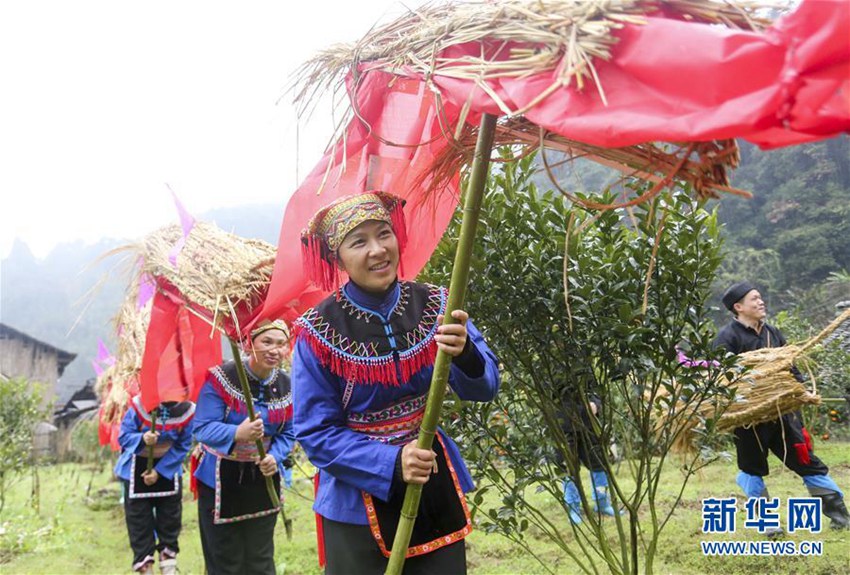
column 381, row 303
column 274, row 392
column 364, row 345
column 170, row 417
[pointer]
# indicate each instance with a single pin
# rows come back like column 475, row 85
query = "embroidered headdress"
column 268, row 326
column 328, row 227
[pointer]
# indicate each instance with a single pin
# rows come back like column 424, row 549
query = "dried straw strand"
column 767, row 391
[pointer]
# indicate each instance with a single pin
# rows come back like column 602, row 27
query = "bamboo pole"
column 249, row 405
column 154, row 415
column 457, row 294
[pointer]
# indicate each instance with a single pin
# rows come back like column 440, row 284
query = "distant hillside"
column 791, row 238
column 69, row 298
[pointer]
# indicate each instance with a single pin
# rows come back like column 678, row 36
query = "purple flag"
column 103, row 355
column 187, row 222
column 146, row 290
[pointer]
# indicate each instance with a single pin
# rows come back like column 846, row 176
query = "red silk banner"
column 103, row 432
column 107, row 433
column 668, row 80
column 178, row 352
column 391, row 148
column 673, row 81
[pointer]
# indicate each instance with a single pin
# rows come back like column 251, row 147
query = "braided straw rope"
column 766, row 391
column 215, row 270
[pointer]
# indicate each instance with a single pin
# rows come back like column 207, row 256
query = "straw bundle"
column 116, row 381
column 520, row 38
column 523, row 37
column 766, row 391
column 132, row 325
column 215, row 270
column 704, row 165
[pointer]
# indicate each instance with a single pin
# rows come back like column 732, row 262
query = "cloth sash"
column 443, row 517
column 397, row 424
column 242, row 450
column 160, row 449
column 162, row 488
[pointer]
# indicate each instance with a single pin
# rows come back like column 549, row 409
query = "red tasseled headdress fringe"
column 320, row 262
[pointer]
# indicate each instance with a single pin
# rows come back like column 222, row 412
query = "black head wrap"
column 735, row 293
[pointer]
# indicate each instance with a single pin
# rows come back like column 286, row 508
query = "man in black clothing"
column 583, row 441
column 785, row 437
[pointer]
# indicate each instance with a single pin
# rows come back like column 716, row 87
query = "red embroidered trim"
column 320, row 529
column 381, row 371
column 431, row 545
column 808, row 439
column 194, row 463
column 237, row 404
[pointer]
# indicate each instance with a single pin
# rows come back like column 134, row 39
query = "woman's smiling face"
column 266, row 351
column 369, row 255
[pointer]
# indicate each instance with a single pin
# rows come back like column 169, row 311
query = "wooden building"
column 23, row 356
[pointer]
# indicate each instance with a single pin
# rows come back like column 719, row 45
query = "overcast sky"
column 103, row 103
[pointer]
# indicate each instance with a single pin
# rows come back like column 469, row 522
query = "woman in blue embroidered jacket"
column 361, row 372
column 235, row 513
column 153, row 501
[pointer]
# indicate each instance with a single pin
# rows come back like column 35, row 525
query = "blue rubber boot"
column 754, row 487
column 573, row 500
column 823, row 487
column 600, row 494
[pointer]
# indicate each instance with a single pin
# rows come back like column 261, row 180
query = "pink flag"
column 146, row 290
column 187, row 222
column 103, row 356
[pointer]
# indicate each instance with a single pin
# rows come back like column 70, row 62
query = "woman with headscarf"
column 235, row 512
column 361, row 372
column 153, row 499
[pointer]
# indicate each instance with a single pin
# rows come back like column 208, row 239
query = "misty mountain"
column 69, row 298
column 791, row 238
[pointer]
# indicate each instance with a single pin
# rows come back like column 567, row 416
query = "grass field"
column 78, row 533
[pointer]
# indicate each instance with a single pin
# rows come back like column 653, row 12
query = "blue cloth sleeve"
column 486, row 385
column 171, row 462
column 130, row 436
column 209, row 425
column 320, row 427
column 281, row 444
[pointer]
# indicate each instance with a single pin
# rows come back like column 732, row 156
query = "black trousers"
column 151, row 519
column 239, row 548
column 588, row 447
column 351, row 550
column 581, row 438
column 784, row 437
